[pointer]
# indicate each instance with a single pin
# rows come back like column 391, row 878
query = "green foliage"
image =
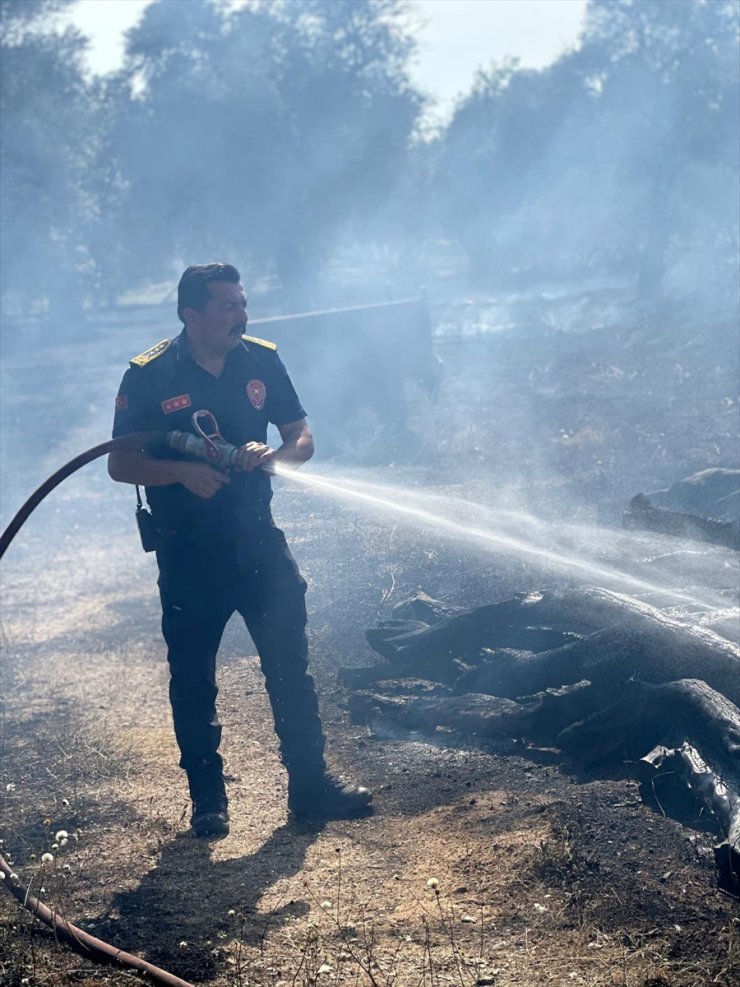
column 265, row 130
column 608, row 157
column 17, row 17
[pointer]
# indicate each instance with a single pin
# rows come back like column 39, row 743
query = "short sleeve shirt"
column 254, row 389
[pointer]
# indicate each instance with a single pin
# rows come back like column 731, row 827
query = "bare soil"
column 482, row 864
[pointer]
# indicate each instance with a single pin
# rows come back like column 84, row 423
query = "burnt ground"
column 546, row 875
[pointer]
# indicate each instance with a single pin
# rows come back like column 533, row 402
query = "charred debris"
column 704, row 506
column 609, row 682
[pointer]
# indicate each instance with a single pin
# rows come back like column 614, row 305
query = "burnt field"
column 486, row 862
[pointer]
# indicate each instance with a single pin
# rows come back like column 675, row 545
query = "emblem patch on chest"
column 121, row 402
column 257, row 392
column 176, row 404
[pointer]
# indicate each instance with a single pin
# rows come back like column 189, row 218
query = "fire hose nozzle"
column 217, row 452
column 207, row 442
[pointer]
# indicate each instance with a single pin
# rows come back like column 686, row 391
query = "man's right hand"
column 201, row 479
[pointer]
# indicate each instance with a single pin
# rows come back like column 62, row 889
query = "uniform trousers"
column 204, row 578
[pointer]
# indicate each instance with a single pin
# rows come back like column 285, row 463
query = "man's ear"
column 191, row 316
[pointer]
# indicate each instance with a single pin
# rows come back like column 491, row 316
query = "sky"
column 456, row 37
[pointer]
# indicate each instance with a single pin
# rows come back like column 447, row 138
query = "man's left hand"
column 254, row 455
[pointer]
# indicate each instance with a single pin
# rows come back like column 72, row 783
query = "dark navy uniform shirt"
column 253, row 389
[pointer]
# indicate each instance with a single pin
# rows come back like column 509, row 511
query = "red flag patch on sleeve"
column 176, row 404
column 121, row 402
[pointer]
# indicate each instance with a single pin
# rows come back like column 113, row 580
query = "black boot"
column 207, row 790
column 313, row 793
column 326, row 797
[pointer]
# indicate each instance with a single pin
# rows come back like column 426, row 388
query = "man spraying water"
column 218, row 549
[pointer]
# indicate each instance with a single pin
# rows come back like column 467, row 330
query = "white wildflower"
column 61, row 835
column 326, row 905
column 231, row 913
column 539, row 908
column 433, row 883
column 325, row 968
column 183, row 945
column 55, row 846
column 47, row 858
column 10, row 787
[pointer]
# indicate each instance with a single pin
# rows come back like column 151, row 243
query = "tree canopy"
column 45, row 141
column 609, row 156
column 281, row 133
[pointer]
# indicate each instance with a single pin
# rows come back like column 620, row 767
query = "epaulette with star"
column 260, row 342
column 151, row 354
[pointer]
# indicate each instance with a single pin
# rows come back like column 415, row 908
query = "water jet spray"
column 378, row 498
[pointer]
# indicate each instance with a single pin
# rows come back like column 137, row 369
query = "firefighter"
column 218, row 549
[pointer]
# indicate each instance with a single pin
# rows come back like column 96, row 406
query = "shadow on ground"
column 187, row 897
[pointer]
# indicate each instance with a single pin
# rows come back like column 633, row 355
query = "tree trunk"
column 422, row 607
column 647, row 646
column 670, row 713
column 486, row 716
column 667, row 776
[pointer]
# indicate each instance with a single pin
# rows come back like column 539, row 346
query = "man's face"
column 220, row 325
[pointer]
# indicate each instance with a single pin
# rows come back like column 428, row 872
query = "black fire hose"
column 126, row 442
column 208, row 445
column 79, row 940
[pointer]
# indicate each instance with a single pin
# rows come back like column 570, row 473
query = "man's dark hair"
column 192, row 291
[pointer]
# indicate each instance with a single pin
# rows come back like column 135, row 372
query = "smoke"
column 575, row 228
